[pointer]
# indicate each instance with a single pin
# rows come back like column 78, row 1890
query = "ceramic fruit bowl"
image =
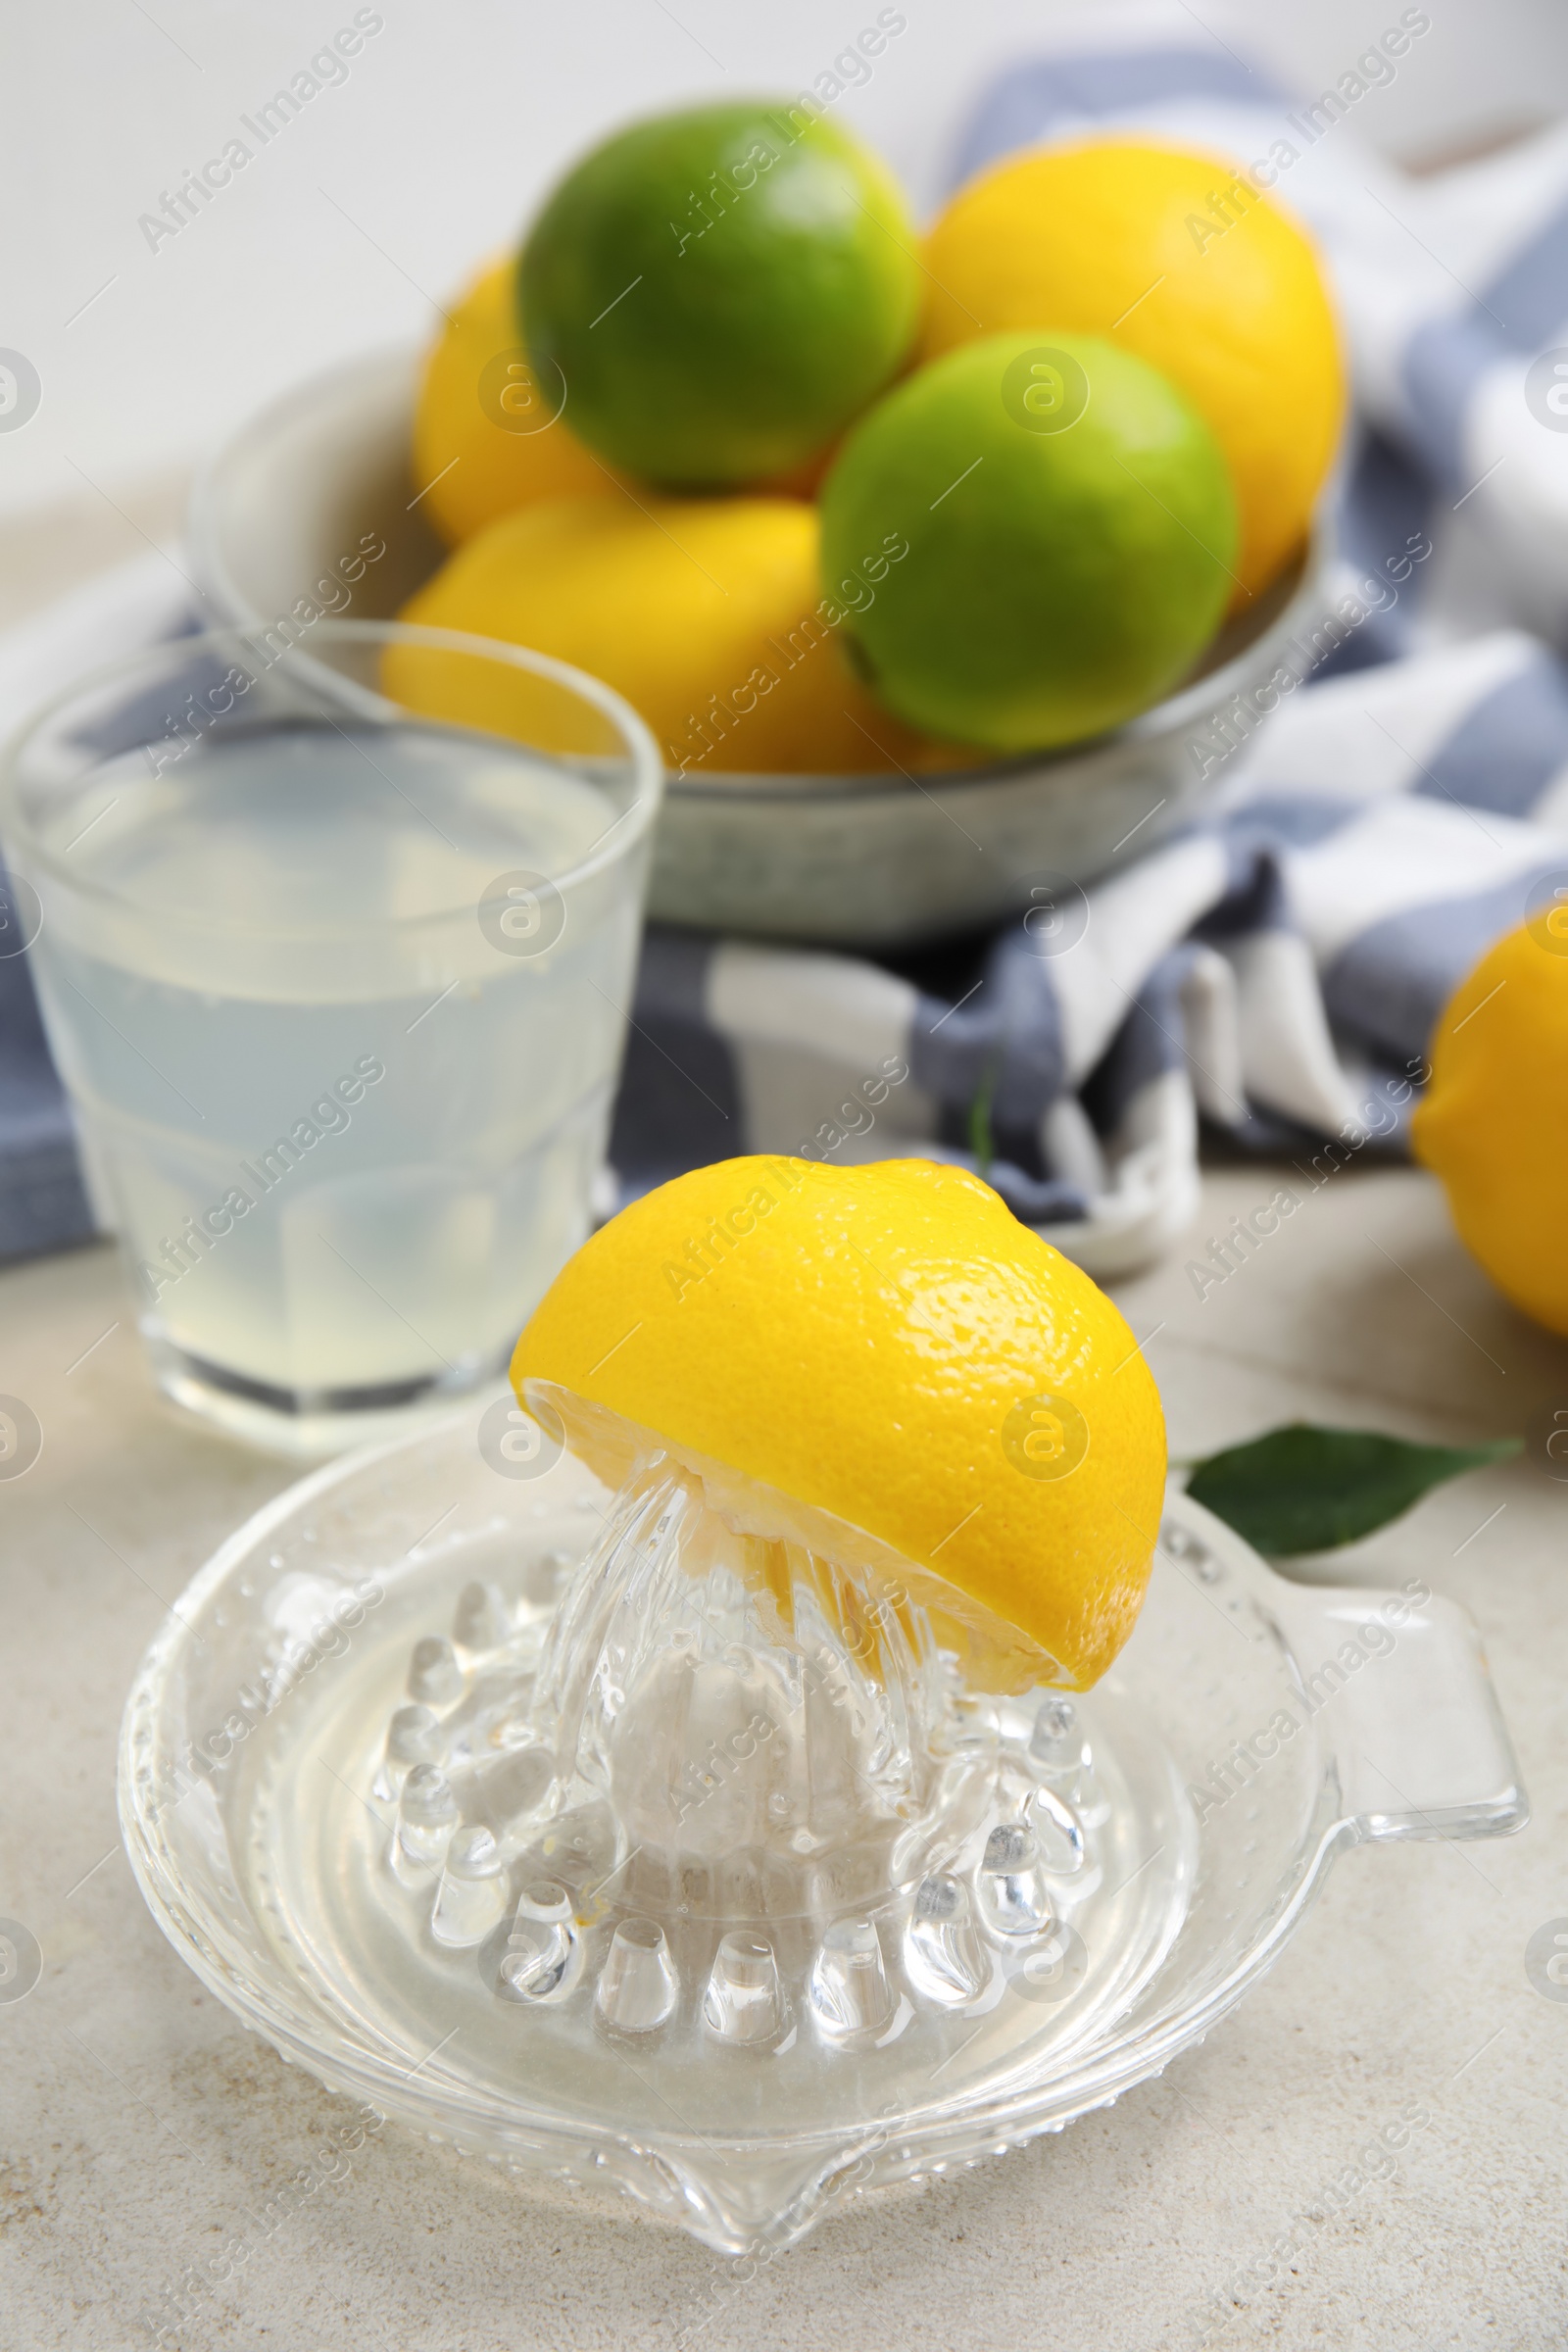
column 736, row 1902
column 325, row 472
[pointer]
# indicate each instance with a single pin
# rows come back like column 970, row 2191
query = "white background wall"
column 378, row 199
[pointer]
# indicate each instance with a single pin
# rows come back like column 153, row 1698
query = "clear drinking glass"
column 334, row 932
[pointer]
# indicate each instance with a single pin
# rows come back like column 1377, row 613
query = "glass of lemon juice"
column 334, row 935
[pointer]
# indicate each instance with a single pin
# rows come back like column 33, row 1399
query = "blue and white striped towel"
column 1275, row 970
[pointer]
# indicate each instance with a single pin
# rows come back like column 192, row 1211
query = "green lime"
column 1032, row 539
column 722, row 291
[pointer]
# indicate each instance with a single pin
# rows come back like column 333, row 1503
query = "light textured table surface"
column 139, row 2122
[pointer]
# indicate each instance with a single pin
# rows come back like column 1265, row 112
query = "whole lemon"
column 706, row 613
column 488, row 432
column 890, row 1345
column 1070, row 528
column 1493, row 1124
column 1185, row 264
column 722, row 290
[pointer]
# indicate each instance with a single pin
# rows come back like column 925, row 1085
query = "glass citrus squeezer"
column 687, row 1845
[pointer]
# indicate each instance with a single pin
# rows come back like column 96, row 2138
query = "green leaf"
column 1303, row 1489
column 982, row 1143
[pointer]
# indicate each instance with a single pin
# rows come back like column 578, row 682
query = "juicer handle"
column 1404, row 1700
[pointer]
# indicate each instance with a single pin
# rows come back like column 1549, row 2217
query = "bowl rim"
column 386, row 364
column 1302, row 581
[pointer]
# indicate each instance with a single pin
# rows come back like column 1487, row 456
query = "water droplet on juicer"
column 427, row 1815
column 1056, row 1744
column 1013, row 1899
column 1058, row 1833
column 1064, row 1760
column 413, row 1736
column 482, row 1621
column 544, row 1956
column 744, row 2002
column 941, row 1949
column 639, row 1988
column 850, row 1989
column 472, row 1893
column 434, row 1673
